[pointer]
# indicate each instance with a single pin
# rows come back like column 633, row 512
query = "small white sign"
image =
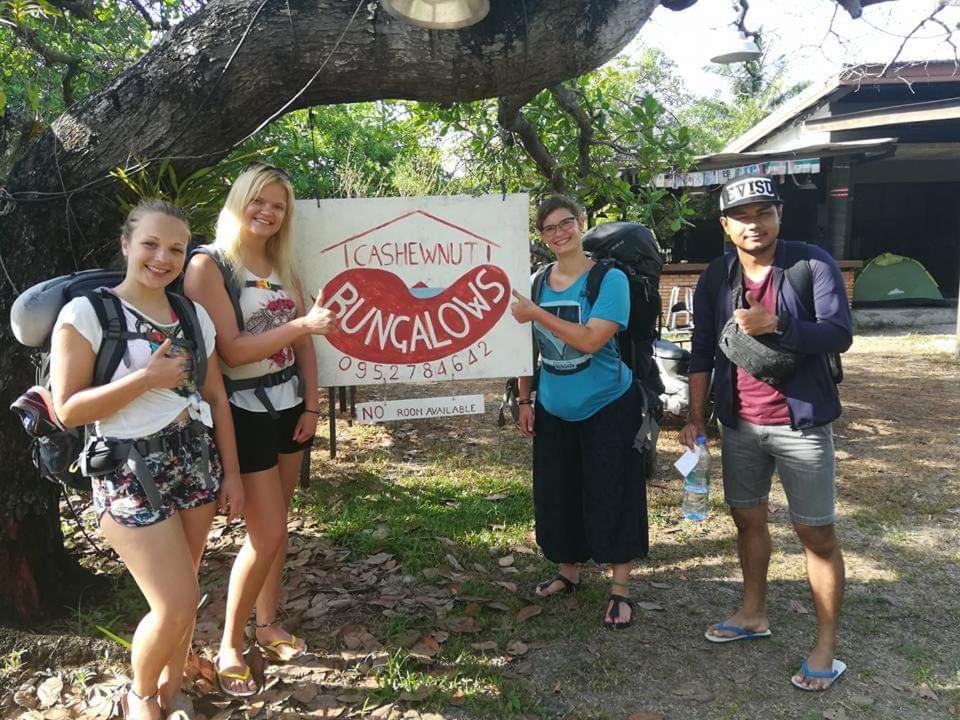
column 686, row 462
column 419, row 408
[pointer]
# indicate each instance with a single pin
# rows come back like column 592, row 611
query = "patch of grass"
column 422, row 509
column 877, row 519
column 123, row 606
column 11, row 663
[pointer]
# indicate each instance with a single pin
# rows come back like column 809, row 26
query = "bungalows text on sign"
column 421, row 286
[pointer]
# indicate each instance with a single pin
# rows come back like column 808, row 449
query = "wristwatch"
column 783, row 322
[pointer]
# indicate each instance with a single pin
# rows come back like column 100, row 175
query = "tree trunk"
column 182, row 100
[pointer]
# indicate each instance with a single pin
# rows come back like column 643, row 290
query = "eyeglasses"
column 548, row 231
column 260, row 165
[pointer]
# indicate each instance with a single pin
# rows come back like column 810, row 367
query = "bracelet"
column 528, row 401
column 314, row 412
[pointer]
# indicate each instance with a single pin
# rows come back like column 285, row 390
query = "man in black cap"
column 790, row 297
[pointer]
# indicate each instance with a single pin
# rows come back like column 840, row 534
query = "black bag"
column 633, row 249
column 797, row 272
column 757, row 354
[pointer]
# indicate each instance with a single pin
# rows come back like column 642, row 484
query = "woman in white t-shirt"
column 156, row 516
column 271, row 372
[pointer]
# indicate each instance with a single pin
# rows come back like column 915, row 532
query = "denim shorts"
column 178, row 473
column 804, row 460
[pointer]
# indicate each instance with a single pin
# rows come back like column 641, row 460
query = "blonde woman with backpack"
column 157, row 473
column 264, row 338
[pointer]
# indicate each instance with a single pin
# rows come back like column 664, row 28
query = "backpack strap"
column 799, row 273
column 800, row 276
column 113, row 324
column 594, row 280
column 536, row 290
column 229, row 280
column 715, row 276
column 190, row 324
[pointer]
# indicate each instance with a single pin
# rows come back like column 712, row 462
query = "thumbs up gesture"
column 319, row 320
column 754, row 319
column 166, row 370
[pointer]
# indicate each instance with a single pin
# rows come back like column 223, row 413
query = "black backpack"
column 55, row 449
column 798, row 273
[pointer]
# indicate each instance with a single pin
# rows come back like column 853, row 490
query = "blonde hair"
column 230, row 224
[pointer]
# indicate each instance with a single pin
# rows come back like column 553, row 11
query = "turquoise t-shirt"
column 574, row 385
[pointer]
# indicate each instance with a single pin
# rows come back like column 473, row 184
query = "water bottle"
column 696, row 488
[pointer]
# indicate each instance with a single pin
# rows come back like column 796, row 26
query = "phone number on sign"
column 433, row 370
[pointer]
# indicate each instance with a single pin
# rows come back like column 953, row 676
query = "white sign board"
column 419, row 408
column 421, row 286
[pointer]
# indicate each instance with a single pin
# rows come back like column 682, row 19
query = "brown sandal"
column 569, row 586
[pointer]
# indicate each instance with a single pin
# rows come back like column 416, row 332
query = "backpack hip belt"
column 103, row 455
column 260, row 384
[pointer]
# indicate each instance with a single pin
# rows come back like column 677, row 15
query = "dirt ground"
column 423, row 615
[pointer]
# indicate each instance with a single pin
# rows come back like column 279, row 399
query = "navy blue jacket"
column 811, row 394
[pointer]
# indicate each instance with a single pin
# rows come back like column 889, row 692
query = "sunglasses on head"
column 260, row 165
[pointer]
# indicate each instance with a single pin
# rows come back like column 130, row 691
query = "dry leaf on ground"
column 528, row 612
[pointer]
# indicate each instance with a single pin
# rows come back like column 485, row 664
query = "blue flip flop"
column 839, row 667
column 741, row 634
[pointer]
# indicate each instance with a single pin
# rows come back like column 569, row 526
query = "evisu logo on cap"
column 746, row 190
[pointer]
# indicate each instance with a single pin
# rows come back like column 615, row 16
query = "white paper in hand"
column 686, row 462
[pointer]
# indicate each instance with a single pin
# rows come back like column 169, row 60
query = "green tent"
column 890, row 280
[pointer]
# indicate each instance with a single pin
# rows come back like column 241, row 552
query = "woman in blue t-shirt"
column 589, row 491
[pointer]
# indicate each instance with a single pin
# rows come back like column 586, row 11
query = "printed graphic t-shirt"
column 156, row 408
column 265, row 305
column 574, row 385
column 759, row 403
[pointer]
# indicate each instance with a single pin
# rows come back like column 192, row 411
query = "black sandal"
column 569, row 586
column 615, row 612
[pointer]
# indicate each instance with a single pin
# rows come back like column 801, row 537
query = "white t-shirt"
column 156, row 408
column 265, row 308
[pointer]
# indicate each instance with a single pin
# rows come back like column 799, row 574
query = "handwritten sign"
column 421, row 286
column 419, row 408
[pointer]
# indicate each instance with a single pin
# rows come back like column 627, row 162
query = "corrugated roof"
column 845, row 82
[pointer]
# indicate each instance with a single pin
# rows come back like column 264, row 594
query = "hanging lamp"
column 438, row 14
column 741, row 49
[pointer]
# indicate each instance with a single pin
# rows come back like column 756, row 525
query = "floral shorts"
column 178, row 473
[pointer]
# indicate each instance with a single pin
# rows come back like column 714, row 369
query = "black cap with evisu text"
column 748, row 189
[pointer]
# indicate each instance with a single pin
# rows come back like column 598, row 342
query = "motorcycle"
column 673, row 364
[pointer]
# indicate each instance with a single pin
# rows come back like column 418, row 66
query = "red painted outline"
column 404, row 216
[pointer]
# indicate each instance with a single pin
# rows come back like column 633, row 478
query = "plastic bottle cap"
column 701, row 439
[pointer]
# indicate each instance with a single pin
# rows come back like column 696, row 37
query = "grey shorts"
column 804, row 460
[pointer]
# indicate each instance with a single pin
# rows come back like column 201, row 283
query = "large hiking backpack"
column 798, row 273
column 634, row 250
column 54, row 448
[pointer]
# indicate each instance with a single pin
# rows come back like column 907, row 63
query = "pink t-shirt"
column 759, row 403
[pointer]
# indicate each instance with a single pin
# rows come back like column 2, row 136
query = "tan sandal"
column 273, row 649
column 243, row 677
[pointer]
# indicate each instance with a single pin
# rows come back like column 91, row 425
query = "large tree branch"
column 854, row 7
column 511, row 118
column 151, row 110
column 568, row 101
